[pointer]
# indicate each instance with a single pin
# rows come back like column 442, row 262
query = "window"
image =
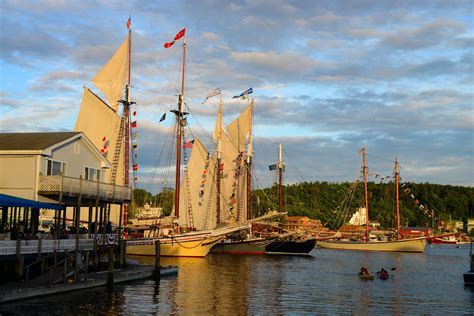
column 55, row 168
column 92, row 174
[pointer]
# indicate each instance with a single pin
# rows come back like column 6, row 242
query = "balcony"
column 67, row 187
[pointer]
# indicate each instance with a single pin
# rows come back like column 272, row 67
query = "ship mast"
column 126, row 114
column 218, row 173
column 249, row 164
column 366, row 195
column 280, row 177
column 179, row 118
column 397, row 198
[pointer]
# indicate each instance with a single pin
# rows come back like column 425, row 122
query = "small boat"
column 444, row 240
column 383, row 275
column 366, row 276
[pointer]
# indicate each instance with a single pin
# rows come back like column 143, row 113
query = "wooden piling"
column 157, row 259
column 110, row 278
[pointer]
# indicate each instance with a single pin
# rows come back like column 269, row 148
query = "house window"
column 92, row 174
column 56, row 168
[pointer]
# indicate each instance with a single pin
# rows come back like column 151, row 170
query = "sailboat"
column 289, row 243
column 398, row 245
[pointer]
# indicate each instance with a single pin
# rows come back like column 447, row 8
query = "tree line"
column 421, row 204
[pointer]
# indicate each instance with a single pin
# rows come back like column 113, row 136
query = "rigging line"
column 197, row 71
column 149, row 90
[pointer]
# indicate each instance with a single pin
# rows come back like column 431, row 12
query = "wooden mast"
column 179, row 119
column 280, row 177
column 366, row 195
column 249, row 164
column 397, row 198
column 126, row 110
column 218, row 172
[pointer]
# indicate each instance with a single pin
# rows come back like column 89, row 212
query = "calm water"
column 326, row 283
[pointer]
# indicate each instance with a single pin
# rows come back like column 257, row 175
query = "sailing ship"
column 289, row 243
column 398, row 245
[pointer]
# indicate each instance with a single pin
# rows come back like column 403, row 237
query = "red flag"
column 129, row 23
column 177, row 37
column 134, row 113
column 133, row 124
column 135, row 167
column 180, row 34
column 221, row 167
column 188, row 144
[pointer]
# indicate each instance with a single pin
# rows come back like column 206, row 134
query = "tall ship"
column 398, row 245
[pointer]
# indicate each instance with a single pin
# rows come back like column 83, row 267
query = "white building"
column 359, row 217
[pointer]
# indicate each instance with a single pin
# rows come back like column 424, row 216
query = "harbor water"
column 325, row 283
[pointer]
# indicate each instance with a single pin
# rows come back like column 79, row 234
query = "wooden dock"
column 19, row 291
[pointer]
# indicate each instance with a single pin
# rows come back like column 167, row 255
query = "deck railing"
column 23, row 247
column 73, row 187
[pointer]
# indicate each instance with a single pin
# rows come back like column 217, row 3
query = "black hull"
column 286, row 247
column 469, row 278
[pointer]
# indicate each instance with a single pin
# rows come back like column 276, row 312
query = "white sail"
column 111, row 78
column 97, row 120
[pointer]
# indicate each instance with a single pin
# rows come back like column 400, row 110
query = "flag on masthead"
column 177, row 37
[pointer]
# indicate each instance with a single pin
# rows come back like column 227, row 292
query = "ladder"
column 209, row 208
column 118, row 149
column 188, row 192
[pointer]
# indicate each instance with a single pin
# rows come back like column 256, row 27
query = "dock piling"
column 157, row 259
column 110, row 278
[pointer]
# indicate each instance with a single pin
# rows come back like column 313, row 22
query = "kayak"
column 366, row 276
column 384, row 276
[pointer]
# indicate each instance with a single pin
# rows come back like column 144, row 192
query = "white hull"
column 406, row 245
column 177, row 246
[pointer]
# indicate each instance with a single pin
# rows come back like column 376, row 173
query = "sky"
column 329, row 77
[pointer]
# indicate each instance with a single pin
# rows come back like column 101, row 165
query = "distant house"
column 359, row 217
column 302, row 223
column 470, row 224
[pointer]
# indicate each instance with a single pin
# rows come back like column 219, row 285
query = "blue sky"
column 328, row 77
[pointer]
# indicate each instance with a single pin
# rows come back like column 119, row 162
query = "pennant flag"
column 133, row 124
column 211, row 94
column 135, row 146
column 134, row 135
column 243, row 94
column 221, row 167
column 135, row 167
column 272, row 167
column 188, row 144
column 135, row 179
column 177, row 37
column 129, row 23
column 205, row 172
column 134, row 113
column 163, row 117
column 204, row 181
column 105, row 146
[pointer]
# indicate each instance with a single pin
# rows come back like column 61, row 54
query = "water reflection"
column 326, row 283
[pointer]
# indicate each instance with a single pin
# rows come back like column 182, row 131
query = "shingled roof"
column 32, row 141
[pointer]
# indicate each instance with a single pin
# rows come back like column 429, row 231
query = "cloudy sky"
column 328, row 77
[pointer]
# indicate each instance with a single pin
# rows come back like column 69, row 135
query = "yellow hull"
column 180, row 246
column 406, row 245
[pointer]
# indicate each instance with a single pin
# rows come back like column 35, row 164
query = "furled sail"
column 240, row 128
column 100, row 123
column 197, row 189
column 111, row 78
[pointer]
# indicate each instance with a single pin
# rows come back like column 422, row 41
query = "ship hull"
column 290, row 247
column 406, row 245
column 245, row 247
column 181, row 246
